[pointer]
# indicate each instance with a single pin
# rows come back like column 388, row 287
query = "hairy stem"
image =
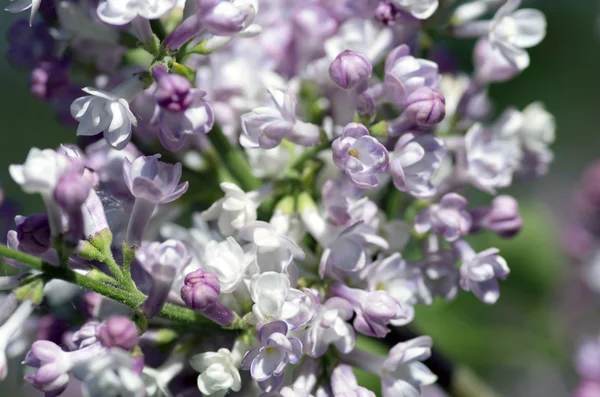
column 132, row 299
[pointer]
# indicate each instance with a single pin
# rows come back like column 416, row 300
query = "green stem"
column 308, row 154
column 132, row 299
column 233, row 159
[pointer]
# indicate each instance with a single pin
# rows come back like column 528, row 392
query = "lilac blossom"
column 162, row 261
column 502, row 217
column 266, row 127
column 117, row 12
column 360, row 155
column 151, row 182
column 107, row 112
column 404, row 74
column 403, row 373
column 329, row 326
column 267, row 362
column 201, row 292
column 234, row 211
column 448, row 219
column 218, row 373
column 375, row 311
column 348, row 251
column 414, row 161
column 480, row 272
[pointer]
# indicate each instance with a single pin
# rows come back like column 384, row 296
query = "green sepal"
column 32, row 289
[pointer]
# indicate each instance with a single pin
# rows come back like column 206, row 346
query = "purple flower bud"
column 426, row 106
column 201, row 290
column 118, row 331
column 349, row 69
column 173, row 90
column 503, row 217
column 71, row 191
column 33, row 233
column 387, row 13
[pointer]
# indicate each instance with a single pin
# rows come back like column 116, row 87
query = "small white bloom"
column 360, row 36
column 421, row 9
column 274, row 252
column 102, row 111
column 402, row 373
column 512, row 30
column 266, row 163
column 226, row 259
column 250, row 29
column 330, row 326
column 233, row 211
column 40, row 172
column 121, row 12
column 491, row 157
column 218, row 373
column 110, row 375
column 275, row 300
column 17, row 6
column 539, row 128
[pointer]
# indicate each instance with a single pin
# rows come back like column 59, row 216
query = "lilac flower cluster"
column 305, row 145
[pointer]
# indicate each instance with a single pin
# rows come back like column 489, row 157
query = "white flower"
column 491, row 157
column 226, row 259
column 511, row 31
column 233, row 211
column 539, row 127
column 421, row 9
column 40, row 172
column 110, row 375
column 402, row 373
column 275, row 300
column 102, row 111
column 121, row 12
column 268, row 163
column 360, row 36
column 330, row 325
column 274, row 252
column 218, row 373
column 267, row 126
column 17, row 6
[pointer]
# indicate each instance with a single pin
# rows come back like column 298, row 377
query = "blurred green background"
column 518, row 345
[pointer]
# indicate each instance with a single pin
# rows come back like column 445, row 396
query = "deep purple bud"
column 201, row 290
column 71, row 191
column 387, row 13
column 349, row 69
column 118, row 331
column 426, row 107
column 502, row 217
column 173, row 91
column 48, row 78
column 33, row 233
